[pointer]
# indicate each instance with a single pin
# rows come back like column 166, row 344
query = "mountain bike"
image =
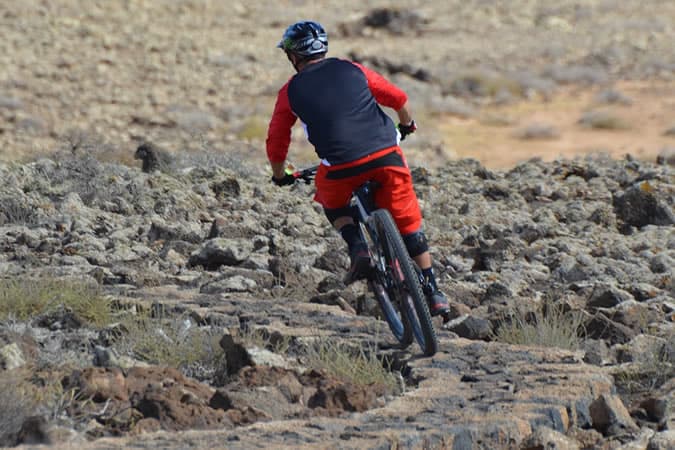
column 394, row 278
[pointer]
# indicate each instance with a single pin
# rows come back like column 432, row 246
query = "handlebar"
column 306, row 175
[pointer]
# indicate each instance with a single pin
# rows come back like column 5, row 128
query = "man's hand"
column 286, row 180
column 407, row 129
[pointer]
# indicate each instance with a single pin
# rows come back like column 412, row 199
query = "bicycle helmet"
column 305, row 38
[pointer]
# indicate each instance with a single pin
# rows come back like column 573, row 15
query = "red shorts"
column 395, row 193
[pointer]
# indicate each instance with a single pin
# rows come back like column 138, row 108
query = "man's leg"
column 398, row 196
column 418, row 248
column 358, row 250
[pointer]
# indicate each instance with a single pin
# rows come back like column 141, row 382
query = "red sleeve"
column 279, row 131
column 385, row 92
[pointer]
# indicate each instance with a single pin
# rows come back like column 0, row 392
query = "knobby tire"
column 380, row 284
column 406, row 284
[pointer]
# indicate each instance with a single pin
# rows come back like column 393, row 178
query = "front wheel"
column 403, row 282
column 396, row 320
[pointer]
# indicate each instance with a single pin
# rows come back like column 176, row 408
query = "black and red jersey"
column 338, row 103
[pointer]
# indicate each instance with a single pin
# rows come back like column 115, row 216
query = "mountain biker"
column 338, row 103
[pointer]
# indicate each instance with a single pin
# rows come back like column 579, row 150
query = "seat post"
column 363, row 196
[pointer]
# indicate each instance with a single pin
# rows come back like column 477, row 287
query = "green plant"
column 358, row 364
column 24, row 298
column 550, row 327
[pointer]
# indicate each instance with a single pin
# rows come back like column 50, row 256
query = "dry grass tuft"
column 171, row 341
column 25, row 298
column 17, row 402
column 537, row 131
column 262, row 338
column 357, row 364
column 289, row 282
column 603, row 120
column 15, row 211
column 612, row 96
column 484, row 84
column 254, row 128
column 552, row 327
column 654, row 368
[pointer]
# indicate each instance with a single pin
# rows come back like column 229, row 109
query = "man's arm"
column 279, row 133
column 385, row 92
column 404, row 116
column 388, row 94
column 278, row 169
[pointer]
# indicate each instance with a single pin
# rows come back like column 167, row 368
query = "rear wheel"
column 402, row 283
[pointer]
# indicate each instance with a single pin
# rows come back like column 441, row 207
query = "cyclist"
column 338, row 103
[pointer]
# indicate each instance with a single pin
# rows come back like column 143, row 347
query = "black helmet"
column 305, row 38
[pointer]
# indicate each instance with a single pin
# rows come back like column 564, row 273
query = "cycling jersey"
column 338, row 103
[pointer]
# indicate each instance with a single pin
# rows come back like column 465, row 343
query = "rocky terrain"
column 242, row 277
column 183, row 301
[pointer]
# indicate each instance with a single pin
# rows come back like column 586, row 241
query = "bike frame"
column 407, row 302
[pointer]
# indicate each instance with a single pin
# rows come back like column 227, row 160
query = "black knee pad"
column 334, row 213
column 416, row 243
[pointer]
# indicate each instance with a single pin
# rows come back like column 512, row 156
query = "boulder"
column 610, row 417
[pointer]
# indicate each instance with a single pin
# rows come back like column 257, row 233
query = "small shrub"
column 25, row 298
column 359, row 365
column 611, row 96
column 83, row 142
column 58, row 403
column 14, row 211
column 17, row 404
column 537, row 131
column 496, row 120
column 24, row 394
column 576, row 74
column 549, row 328
column 261, row 338
column 452, row 105
column 235, row 161
column 253, row 128
column 483, row 84
column 171, row 341
column 602, row 120
column 289, row 282
column 654, row 368
column 80, row 174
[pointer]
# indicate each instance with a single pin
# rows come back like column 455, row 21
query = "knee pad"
column 416, row 243
column 334, row 213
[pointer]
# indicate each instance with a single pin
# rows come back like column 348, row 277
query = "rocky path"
column 200, row 256
column 471, row 394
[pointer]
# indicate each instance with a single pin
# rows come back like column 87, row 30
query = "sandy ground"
column 195, row 74
column 494, row 139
